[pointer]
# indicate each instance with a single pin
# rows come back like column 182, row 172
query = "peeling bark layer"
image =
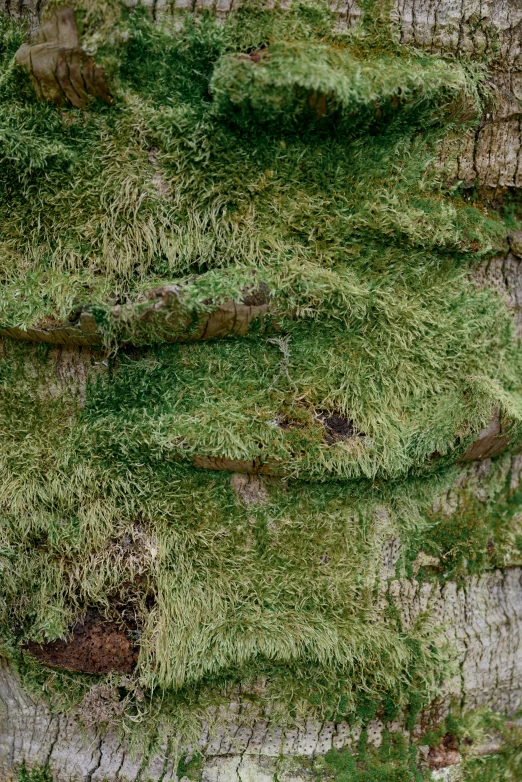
column 491, row 441
column 95, row 647
column 60, row 70
column 162, row 318
column 483, row 623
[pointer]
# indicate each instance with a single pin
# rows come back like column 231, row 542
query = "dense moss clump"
column 366, row 260
column 395, row 761
column 36, row 774
column 221, row 591
column 268, row 152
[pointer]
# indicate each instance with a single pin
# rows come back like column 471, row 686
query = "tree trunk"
column 483, row 617
column 458, row 601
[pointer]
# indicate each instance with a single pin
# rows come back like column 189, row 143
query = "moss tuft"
column 34, row 774
column 374, row 324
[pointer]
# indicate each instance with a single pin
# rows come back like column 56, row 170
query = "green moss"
column 503, row 765
column 367, row 259
column 392, row 762
column 34, row 774
column 397, row 759
column 236, row 201
column 483, row 727
column 225, row 593
column 479, row 530
column 289, row 85
column 190, row 766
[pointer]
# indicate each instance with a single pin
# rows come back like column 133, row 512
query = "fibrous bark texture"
column 60, row 70
column 483, row 621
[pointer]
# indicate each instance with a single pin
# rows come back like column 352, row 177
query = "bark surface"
column 482, row 616
column 483, row 621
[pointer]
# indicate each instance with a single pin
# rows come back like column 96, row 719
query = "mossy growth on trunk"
column 265, row 153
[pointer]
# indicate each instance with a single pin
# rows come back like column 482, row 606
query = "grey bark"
column 483, row 623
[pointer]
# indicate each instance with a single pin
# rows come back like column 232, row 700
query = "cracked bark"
column 483, row 617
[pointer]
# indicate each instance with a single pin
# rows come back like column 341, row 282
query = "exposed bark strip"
column 504, row 275
column 473, row 28
column 482, row 620
column 256, row 466
column 162, row 318
column 491, row 441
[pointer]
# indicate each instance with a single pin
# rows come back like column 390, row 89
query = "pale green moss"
column 367, row 259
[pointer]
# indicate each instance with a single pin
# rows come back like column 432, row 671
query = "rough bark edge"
column 483, row 621
column 59, row 69
column 163, row 318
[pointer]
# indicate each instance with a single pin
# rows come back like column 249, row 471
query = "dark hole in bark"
column 337, row 427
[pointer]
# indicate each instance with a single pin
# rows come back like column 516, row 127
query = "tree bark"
column 482, row 616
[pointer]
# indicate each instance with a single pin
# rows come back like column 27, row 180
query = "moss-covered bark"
column 260, row 391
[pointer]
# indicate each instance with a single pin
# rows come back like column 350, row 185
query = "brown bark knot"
column 60, row 70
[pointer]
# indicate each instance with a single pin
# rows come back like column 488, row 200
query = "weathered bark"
column 483, row 621
column 504, row 274
column 482, row 616
column 60, row 70
column 161, row 318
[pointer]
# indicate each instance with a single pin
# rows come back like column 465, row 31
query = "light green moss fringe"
column 213, row 167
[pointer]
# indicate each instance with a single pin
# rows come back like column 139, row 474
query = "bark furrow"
column 482, row 620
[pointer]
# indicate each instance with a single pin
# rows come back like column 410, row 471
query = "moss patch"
column 394, row 761
column 34, row 774
column 197, row 174
column 478, row 527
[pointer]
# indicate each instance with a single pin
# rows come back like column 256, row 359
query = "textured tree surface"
column 59, row 68
column 260, row 401
column 484, row 620
column 493, row 153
